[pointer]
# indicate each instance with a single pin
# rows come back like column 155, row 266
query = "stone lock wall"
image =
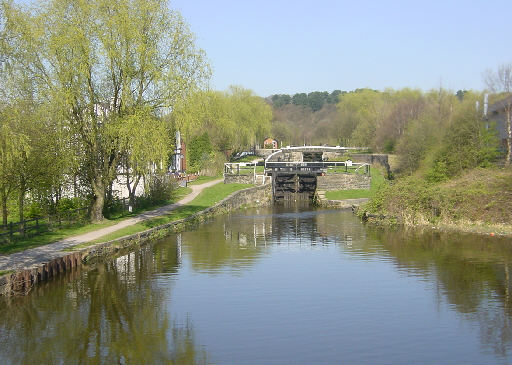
column 343, row 182
column 238, row 179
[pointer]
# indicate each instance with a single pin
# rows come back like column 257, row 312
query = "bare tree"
column 500, row 82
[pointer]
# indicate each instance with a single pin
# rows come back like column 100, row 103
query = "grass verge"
column 377, row 180
column 80, row 228
column 204, row 179
column 207, row 198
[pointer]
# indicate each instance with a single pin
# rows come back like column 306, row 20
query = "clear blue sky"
column 285, row 46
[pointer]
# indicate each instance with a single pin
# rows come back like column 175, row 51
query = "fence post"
column 11, row 232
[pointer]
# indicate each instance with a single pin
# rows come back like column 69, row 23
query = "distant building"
column 497, row 113
column 271, row 143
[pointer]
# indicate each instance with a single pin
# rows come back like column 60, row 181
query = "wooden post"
column 11, row 231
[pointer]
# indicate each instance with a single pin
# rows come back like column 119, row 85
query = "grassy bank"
column 81, row 228
column 377, row 180
column 205, row 199
column 204, row 179
column 479, row 200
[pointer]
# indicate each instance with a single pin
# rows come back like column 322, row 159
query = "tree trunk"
column 4, row 209
column 98, row 201
column 131, row 190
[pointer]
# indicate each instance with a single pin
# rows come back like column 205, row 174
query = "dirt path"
column 39, row 255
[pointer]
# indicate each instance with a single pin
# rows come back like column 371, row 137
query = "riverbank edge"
column 464, row 226
column 20, row 282
column 353, row 204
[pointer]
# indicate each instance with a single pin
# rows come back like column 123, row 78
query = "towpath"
column 39, row 255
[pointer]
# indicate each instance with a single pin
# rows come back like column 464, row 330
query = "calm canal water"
column 275, row 286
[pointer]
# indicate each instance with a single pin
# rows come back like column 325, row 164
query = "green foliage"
column 199, row 153
column 234, row 120
column 315, row 100
column 474, row 196
column 278, row 100
column 66, row 204
column 466, row 144
column 300, row 99
column 107, row 71
column 160, row 189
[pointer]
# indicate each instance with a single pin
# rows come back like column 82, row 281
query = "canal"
column 278, row 285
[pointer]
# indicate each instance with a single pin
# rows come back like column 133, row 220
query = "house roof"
column 499, row 105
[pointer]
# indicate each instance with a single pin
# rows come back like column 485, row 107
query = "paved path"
column 42, row 254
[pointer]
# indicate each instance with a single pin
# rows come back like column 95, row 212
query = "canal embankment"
column 478, row 201
column 18, row 280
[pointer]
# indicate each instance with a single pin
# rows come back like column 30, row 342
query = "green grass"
column 207, row 198
column 204, row 179
column 5, row 272
column 348, row 194
column 80, row 228
column 377, row 180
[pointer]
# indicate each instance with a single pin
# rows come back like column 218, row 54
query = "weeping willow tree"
column 110, row 69
column 234, row 120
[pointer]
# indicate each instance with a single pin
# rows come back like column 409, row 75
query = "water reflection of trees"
column 472, row 274
column 236, row 241
column 111, row 314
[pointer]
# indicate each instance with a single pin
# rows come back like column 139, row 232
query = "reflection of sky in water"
column 279, row 285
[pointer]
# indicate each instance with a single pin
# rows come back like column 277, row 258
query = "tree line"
column 440, row 126
column 92, row 89
column 314, row 100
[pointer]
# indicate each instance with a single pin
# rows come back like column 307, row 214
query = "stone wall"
column 333, row 155
column 22, row 281
column 238, row 179
column 342, row 182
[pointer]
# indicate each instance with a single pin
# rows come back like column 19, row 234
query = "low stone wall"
column 342, row 182
column 333, row 155
column 21, row 282
column 238, row 179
